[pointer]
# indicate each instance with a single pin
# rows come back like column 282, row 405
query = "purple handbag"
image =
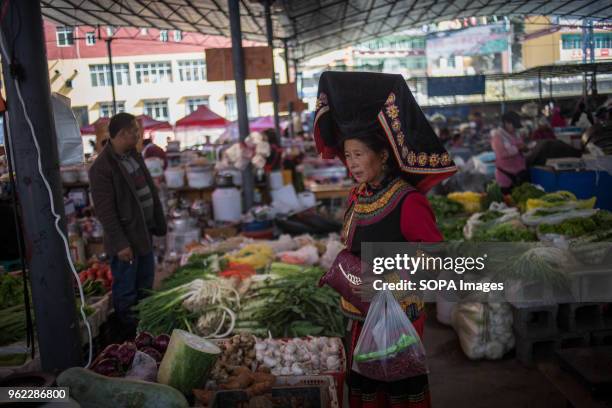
column 344, row 275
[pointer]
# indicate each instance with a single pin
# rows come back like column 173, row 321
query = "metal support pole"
column 298, row 78
column 269, row 35
column 112, row 72
column 51, row 281
column 503, row 105
column 241, row 102
column 540, row 87
column 550, row 89
column 290, row 107
column 286, row 47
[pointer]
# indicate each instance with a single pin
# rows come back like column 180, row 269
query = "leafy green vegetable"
column 11, row 290
column 490, row 216
column 494, row 195
column 291, row 304
column 579, row 226
column 443, row 207
column 198, row 267
column 12, row 324
column 507, row 232
column 452, row 228
column 525, row 191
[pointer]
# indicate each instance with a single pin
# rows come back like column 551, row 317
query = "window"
column 106, row 108
column 193, row 103
column 192, row 70
column 163, row 35
column 90, row 38
column 178, row 36
column 144, row 31
column 231, row 107
column 153, row 72
column 156, row 109
column 603, row 40
column 100, row 74
column 65, row 36
column 81, row 114
column 571, row 41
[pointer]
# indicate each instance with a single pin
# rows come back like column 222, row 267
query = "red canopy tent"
column 91, row 129
column 149, row 124
column 202, row 118
column 265, row 122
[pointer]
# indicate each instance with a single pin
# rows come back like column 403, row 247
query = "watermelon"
column 187, row 362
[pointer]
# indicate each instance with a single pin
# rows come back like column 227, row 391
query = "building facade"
column 159, row 73
column 547, row 41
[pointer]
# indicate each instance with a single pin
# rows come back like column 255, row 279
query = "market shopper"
column 372, row 122
column 543, row 131
column 150, row 150
column 127, row 204
column 510, row 167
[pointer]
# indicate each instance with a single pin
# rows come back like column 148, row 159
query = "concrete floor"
column 456, row 382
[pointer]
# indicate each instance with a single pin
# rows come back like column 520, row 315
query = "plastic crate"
column 584, row 184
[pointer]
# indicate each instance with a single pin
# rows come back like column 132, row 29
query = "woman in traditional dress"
column 372, row 122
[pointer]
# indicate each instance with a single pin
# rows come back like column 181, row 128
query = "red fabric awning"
column 202, row 118
column 91, row 128
column 149, row 124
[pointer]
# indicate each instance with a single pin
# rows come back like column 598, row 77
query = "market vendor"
column 127, row 204
column 373, row 123
column 510, row 167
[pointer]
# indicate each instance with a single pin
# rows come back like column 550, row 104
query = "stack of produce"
column 498, row 224
column 524, row 192
column 12, row 309
column 236, row 351
column 471, row 201
column 289, row 304
column 203, row 306
column 254, row 384
column 493, row 195
column 116, row 359
column 595, row 228
column 256, row 255
column 198, row 266
column 450, row 217
column 301, row 356
column 97, row 279
column 556, row 207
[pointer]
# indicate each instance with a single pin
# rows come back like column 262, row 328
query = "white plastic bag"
column 484, row 329
column 389, row 347
column 144, row 367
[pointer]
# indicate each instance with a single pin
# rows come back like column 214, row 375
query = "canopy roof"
column 202, row 118
column 150, row 124
column 312, row 27
column 91, row 128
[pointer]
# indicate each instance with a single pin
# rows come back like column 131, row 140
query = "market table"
column 330, row 191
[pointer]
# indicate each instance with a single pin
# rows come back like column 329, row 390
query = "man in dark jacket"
column 128, row 206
